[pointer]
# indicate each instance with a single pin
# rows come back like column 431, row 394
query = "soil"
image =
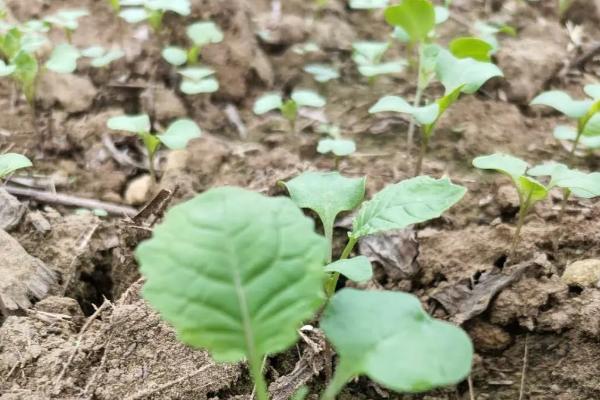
column 72, row 322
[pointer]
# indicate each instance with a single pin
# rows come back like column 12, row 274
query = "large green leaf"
column 63, row 59
column 268, row 102
column 424, row 115
column 408, row 202
column 235, row 272
column 579, row 183
column 471, row 47
column 504, row 163
column 357, row 269
column 327, row 194
column 563, row 103
column 130, row 123
column 467, row 73
column 203, row 33
column 10, row 162
column 179, row 133
column 388, row 337
column 415, row 17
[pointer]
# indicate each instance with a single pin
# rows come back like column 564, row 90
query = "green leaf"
column 289, row 110
column 175, row 55
column 300, row 394
column 32, row 42
column 327, row 194
column 308, row 98
column 26, row 73
column 579, row 183
column 416, row 17
column 10, row 43
column 10, row 162
column 107, row 58
column 322, row 72
column 512, row 166
column 424, row 115
column 408, row 202
column 267, row 102
column 130, row 123
column 368, row 53
column 63, row 59
column 196, row 73
column 203, row 33
column 181, row 7
column 357, row 269
column 563, row 103
column 471, row 47
column 391, row 67
column 235, row 279
column 339, row 147
column 134, row 15
column 592, row 126
column 388, row 337
column 368, row 4
column 564, row 132
column 179, row 133
column 67, row 19
column 593, row 90
column 208, row 85
column 467, row 73
column 551, row 169
column 441, row 14
column 6, row 70
column 531, row 188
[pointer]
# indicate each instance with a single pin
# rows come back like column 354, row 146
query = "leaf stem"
column 422, row 152
column 151, row 166
column 417, row 99
column 523, row 210
column 332, row 282
column 260, row 385
column 340, row 377
column 575, row 144
column 563, row 204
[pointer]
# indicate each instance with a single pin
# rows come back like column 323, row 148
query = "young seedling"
column 67, row 20
column 22, row 64
column 585, row 112
column 288, row 108
column 529, row 190
column 322, row 73
column 488, row 31
column 11, row 162
column 200, row 34
column 368, row 58
column 571, row 181
column 176, row 137
column 335, row 143
column 197, row 80
column 457, row 75
column 100, row 57
column 240, row 281
column 153, row 11
column 395, row 207
column 64, row 57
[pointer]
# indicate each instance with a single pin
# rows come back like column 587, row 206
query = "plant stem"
column 337, row 383
column 422, row 152
column 523, row 209
column 563, row 204
column 260, row 385
column 333, row 280
column 575, row 144
column 337, row 163
column 417, row 99
column 151, row 166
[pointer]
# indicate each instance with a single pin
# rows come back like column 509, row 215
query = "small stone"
column 11, row 210
column 139, row 190
column 582, row 273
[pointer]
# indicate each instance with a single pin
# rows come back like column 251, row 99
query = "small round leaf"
column 174, row 55
column 130, row 123
column 307, row 98
column 504, row 163
column 339, row 147
column 203, row 33
column 563, row 103
column 208, row 85
column 10, row 162
column 267, row 102
column 63, row 59
column 357, row 269
column 179, row 133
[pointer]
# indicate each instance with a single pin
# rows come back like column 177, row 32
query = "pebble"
column 582, row 273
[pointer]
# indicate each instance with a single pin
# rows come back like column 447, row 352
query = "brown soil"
column 76, row 327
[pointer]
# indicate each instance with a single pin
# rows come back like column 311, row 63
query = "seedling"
column 489, row 31
column 200, row 34
column 322, row 73
column 67, row 20
column 198, row 80
column 457, row 75
column 64, row 57
column 571, row 181
column 529, row 190
column 368, row 58
column 368, row 4
column 100, row 57
column 153, row 11
column 585, row 112
column 395, row 207
column 176, row 137
column 11, row 162
column 335, row 143
column 239, row 281
column 288, row 108
column 23, row 65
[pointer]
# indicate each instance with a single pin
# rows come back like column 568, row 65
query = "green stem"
column 151, row 166
column 337, row 383
column 333, row 280
column 328, row 231
column 563, row 204
column 256, row 367
column 523, row 210
column 422, row 152
column 575, row 144
column 417, row 99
